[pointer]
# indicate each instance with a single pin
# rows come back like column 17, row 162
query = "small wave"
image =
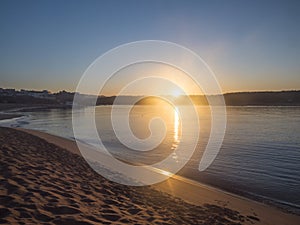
column 15, row 122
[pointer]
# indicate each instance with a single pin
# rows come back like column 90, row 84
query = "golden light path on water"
column 176, row 125
column 176, row 133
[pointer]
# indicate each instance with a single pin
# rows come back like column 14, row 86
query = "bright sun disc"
column 177, row 93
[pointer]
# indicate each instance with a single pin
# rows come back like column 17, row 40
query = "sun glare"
column 177, row 93
column 166, row 173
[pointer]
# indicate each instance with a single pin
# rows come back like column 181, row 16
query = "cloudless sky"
column 250, row 45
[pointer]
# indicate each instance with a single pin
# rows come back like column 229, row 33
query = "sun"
column 176, row 93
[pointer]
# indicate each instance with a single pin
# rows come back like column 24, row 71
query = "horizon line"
column 199, row 94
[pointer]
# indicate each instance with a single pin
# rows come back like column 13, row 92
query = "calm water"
column 259, row 158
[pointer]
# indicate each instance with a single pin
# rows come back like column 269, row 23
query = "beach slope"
column 45, row 180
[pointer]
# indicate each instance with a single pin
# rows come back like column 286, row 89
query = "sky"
column 250, row 45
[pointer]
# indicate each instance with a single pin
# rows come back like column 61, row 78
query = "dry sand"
column 45, row 180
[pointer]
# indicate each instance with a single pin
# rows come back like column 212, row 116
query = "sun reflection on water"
column 176, row 133
column 176, row 125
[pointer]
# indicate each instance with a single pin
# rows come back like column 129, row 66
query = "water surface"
column 259, row 158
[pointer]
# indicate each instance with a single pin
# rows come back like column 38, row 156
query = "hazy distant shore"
column 44, row 181
column 13, row 106
column 276, row 98
column 65, row 99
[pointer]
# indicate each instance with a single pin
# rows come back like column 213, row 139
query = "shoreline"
column 195, row 192
column 11, row 111
column 44, row 183
column 8, row 116
column 286, row 208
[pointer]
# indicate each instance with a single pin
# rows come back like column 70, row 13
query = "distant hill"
column 267, row 98
column 278, row 98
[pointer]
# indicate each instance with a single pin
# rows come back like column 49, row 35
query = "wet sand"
column 45, row 180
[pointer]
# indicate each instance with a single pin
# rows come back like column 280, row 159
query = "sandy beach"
column 45, row 180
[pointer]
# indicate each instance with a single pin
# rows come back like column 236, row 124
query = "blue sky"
column 250, row 45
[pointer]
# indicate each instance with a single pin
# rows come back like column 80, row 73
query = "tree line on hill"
column 278, row 98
